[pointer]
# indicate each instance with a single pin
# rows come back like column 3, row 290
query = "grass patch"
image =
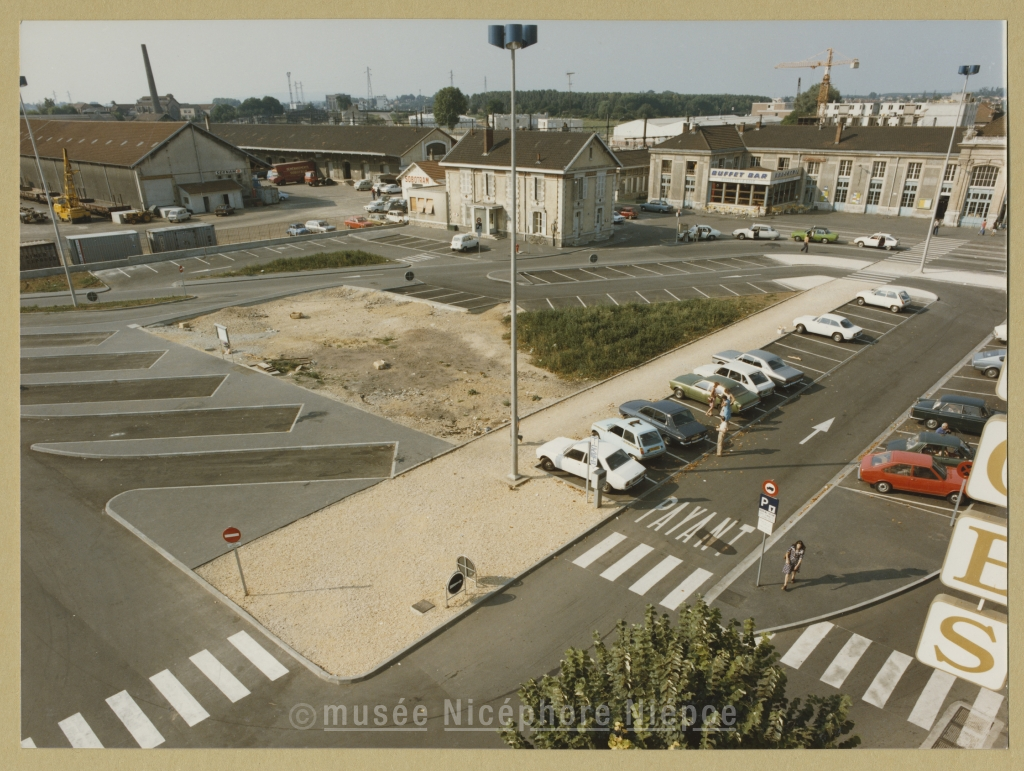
column 348, row 258
column 596, row 342
column 88, row 306
column 59, row 283
column 291, row 366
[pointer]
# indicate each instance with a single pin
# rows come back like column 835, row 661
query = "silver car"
column 770, row 364
column 989, row 362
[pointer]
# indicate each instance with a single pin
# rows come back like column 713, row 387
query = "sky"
column 197, row 61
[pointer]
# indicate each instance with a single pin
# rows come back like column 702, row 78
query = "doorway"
column 347, row 170
column 940, row 210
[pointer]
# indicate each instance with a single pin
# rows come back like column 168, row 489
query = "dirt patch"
column 447, row 373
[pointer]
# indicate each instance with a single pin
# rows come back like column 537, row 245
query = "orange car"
column 358, row 222
column 628, row 212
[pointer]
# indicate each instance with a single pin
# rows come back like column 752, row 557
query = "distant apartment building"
column 945, row 113
column 465, row 122
column 634, row 134
column 559, row 124
column 168, row 105
column 777, row 108
column 194, row 111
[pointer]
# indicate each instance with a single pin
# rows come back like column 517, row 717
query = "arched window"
column 984, row 176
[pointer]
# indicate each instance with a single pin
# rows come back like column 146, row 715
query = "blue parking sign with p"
column 767, row 507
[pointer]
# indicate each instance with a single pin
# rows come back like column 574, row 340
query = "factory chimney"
column 152, row 83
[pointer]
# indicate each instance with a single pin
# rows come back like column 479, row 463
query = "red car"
column 913, row 472
column 358, row 222
column 628, row 212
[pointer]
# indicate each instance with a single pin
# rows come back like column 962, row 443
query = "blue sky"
column 197, row 61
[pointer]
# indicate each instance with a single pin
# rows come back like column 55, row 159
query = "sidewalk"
column 338, row 586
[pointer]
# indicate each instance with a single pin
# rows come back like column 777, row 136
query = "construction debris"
column 381, row 364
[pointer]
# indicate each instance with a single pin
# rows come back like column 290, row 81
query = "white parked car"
column 769, row 363
column 999, row 333
column 878, row 241
column 640, row 438
column 362, row 184
column 319, row 226
column 397, row 217
column 463, row 242
column 617, row 219
column 282, row 196
column 759, row 232
column 391, row 188
column 750, row 376
column 828, row 324
column 376, row 206
column 572, row 456
column 892, row 297
column 699, row 233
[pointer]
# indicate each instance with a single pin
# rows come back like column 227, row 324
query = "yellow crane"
column 827, row 63
column 67, row 207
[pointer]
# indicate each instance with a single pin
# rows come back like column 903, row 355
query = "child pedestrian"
column 791, row 563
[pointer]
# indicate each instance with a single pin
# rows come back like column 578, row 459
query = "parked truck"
column 39, row 254
column 103, row 247
column 181, row 237
column 288, row 173
column 314, row 179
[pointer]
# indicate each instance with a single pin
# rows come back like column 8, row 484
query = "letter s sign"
column 963, row 641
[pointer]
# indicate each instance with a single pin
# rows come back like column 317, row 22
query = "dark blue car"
column 673, row 421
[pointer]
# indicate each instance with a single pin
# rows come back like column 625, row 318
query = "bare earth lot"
column 448, row 372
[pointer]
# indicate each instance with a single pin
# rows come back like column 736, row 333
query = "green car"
column 818, row 235
column 697, row 388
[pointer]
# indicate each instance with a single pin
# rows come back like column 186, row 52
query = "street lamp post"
column 966, row 70
column 513, row 37
column 46, row 194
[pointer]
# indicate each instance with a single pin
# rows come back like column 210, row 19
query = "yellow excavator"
column 67, row 207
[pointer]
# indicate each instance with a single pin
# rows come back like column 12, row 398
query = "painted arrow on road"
column 820, row 427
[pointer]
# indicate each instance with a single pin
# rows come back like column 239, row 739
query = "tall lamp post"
column 513, row 37
column 966, row 70
column 46, row 193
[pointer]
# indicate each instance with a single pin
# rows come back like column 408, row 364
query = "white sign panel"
column 976, row 557
column 988, row 479
column 222, row 335
column 965, row 642
column 764, row 525
column 594, row 450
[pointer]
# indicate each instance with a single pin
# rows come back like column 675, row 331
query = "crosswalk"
column 938, row 247
column 930, row 700
column 141, row 728
column 651, row 577
column 871, row 277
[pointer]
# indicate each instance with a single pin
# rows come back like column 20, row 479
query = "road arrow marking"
column 820, row 427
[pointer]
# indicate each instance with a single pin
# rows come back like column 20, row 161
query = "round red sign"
column 181, row 268
column 770, row 488
column 232, row 535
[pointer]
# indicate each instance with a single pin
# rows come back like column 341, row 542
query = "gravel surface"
column 339, row 584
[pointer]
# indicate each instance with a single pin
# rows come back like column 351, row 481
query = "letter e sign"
column 975, row 560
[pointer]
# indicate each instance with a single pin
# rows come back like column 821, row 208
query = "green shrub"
column 348, row 258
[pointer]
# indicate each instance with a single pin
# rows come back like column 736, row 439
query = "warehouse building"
column 895, row 171
column 566, row 183
column 633, row 174
column 340, row 152
column 138, row 163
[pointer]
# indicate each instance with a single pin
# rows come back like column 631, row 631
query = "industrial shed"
column 340, row 152
column 135, row 163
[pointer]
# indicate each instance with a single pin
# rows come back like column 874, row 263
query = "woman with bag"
column 791, row 563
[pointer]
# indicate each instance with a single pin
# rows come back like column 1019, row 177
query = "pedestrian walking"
column 479, row 227
column 373, row 194
column 983, row 224
column 727, row 400
column 791, row 563
column 723, row 426
column 807, row 243
column 935, row 229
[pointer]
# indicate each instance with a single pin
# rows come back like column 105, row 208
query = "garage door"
column 159, row 192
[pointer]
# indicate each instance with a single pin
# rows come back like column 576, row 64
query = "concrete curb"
column 61, row 293
column 299, row 273
column 86, row 308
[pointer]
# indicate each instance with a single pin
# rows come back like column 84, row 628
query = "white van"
column 463, row 242
column 176, row 214
column 751, row 377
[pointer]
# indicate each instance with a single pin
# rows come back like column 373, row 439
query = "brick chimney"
column 758, row 126
column 839, row 133
column 488, row 139
column 740, row 127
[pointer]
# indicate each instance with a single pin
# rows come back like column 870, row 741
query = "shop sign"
column 737, row 175
column 966, row 642
column 989, row 474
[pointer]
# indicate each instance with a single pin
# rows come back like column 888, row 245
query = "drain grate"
column 951, row 733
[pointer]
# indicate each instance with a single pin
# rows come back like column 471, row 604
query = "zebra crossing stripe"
column 79, row 733
column 139, row 726
column 805, row 644
column 258, row 655
column 888, row 676
column 845, row 661
column 930, row 701
column 655, row 574
column 28, row 744
column 627, row 562
column 177, row 696
column 602, row 548
column 218, row 674
column 979, row 721
column 692, row 583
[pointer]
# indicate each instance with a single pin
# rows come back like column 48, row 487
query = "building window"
column 488, row 185
column 913, row 171
column 579, row 190
column 842, row 188
column 691, row 168
column 984, row 176
column 845, row 167
column 591, row 156
column 598, row 218
column 538, row 189
column 538, row 223
column 599, row 185
column 785, row 192
column 813, row 167
column 755, row 160
column 977, row 203
column 691, row 186
column 909, row 195
column 466, row 182
column 783, row 164
column 666, row 185
column 950, row 174
column 666, row 167
column 878, row 169
column 721, row 163
column 874, row 192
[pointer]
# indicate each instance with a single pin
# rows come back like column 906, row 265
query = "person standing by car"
column 727, row 400
column 943, row 429
column 723, row 426
column 713, row 396
column 791, row 563
column 807, row 243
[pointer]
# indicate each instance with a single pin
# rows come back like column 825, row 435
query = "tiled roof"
column 118, row 143
column 706, row 138
column 534, row 149
column 891, row 139
column 364, row 140
column 153, row 117
column 632, row 158
column 216, row 186
column 431, row 168
column 997, row 128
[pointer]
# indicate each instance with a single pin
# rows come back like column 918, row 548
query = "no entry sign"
column 232, row 535
column 770, row 488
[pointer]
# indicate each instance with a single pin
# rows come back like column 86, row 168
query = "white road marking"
column 727, row 289
column 570, row 278
column 249, row 253
column 672, row 295
column 177, row 696
column 28, row 744
column 627, row 562
column 845, row 661
column 150, row 267
column 655, row 574
column 930, row 701
column 201, row 260
column 871, row 318
column 697, row 290
column 976, row 393
column 584, row 270
column 643, row 298
column 538, row 278
column 673, row 267
column 825, row 426
column 693, row 582
column 581, row 301
column 885, row 681
column 221, row 254
column 759, row 289
column 979, row 721
column 139, row 726
column 624, row 273
column 228, row 684
column 641, row 267
column 602, row 548
column 549, row 303
column 79, row 733
column 258, row 655
column 122, row 272
column 971, row 377
column 805, row 644
column 815, row 339
column 808, row 353
column 612, row 299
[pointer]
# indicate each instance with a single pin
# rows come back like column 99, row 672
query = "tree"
column 698, row 685
column 807, row 103
column 646, row 112
column 271, row 106
column 494, row 106
column 449, row 104
column 224, row 100
column 223, row 113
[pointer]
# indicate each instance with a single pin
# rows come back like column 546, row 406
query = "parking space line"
column 914, row 504
column 727, row 289
column 221, row 254
column 570, row 278
column 249, row 253
column 644, row 298
column 963, row 391
column 813, row 339
column 581, row 301
column 672, row 296
column 695, row 288
column 122, row 272
column 759, row 289
column 624, row 273
column 715, row 262
column 584, row 270
column 549, row 303
column 969, row 377
column 612, row 299
column 754, row 264
column 150, row 267
column 641, row 267
column 804, row 366
column 697, row 264
column 672, row 267
column 808, row 353
column 871, row 318
column 531, row 276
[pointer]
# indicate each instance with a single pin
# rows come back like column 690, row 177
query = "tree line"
column 614, row 105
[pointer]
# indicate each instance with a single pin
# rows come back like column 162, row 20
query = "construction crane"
column 828, row 63
column 67, row 207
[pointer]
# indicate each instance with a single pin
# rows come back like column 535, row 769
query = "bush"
column 318, row 261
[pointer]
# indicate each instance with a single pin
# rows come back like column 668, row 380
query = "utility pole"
column 369, row 86
column 798, row 86
column 291, row 98
column 569, row 75
column 485, row 84
column 451, row 78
